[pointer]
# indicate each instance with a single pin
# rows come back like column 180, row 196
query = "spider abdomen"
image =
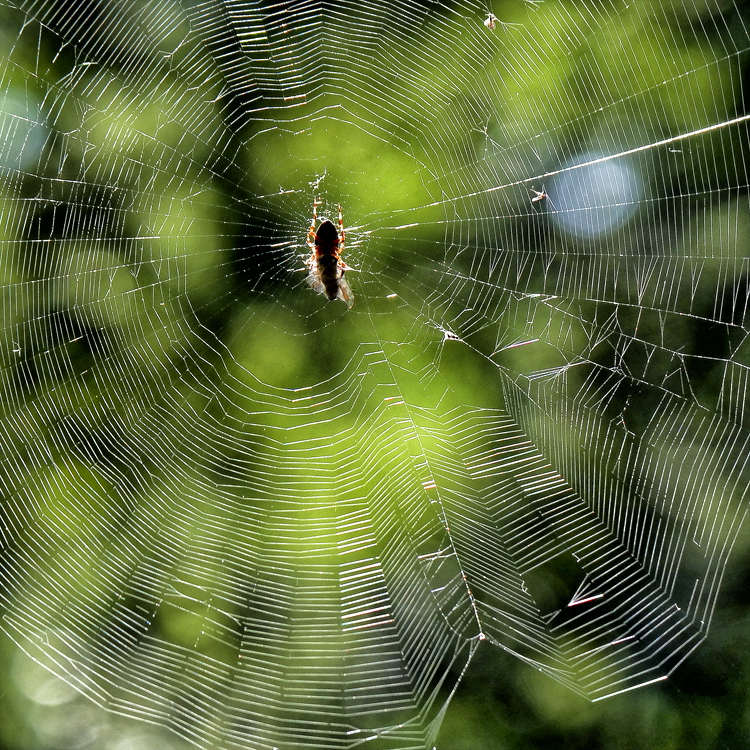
column 328, row 274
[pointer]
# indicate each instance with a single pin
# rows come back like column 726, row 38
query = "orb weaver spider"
column 325, row 267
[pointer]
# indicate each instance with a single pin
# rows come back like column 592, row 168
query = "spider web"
column 262, row 520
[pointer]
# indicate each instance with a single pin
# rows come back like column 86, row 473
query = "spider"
column 326, row 269
column 490, row 22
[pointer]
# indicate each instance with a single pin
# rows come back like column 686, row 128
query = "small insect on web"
column 492, row 21
column 542, row 195
column 325, row 267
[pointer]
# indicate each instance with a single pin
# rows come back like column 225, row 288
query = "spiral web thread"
column 265, row 521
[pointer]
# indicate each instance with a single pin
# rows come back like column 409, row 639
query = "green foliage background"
column 144, row 250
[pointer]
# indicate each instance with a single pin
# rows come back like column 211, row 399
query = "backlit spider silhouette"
column 326, row 269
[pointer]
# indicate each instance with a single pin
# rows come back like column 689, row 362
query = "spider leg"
column 311, row 231
column 341, row 228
